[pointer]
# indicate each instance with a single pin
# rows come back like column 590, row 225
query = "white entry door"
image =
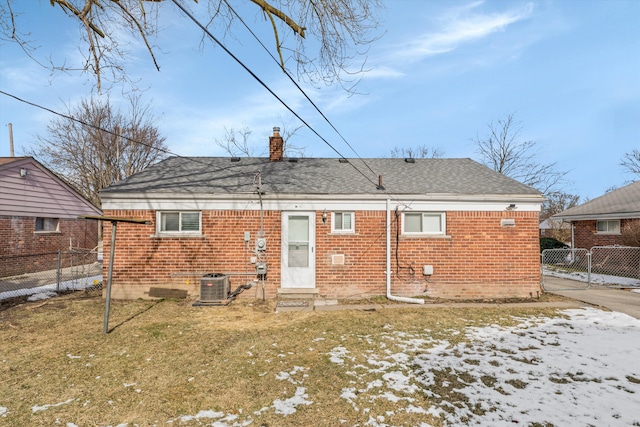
column 298, row 250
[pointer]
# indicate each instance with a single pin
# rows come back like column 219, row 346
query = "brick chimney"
column 276, row 145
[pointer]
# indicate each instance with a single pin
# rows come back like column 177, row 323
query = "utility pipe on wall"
column 389, row 296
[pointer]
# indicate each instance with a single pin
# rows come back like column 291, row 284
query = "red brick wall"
column 22, row 250
column 143, row 260
column 479, row 258
column 585, row 235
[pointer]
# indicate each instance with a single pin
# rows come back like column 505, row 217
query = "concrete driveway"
column 622, row 300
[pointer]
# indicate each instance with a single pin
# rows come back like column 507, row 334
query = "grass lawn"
column 168, row 362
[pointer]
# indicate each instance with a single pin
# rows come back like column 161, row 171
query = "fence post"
column 589, row 269
column 58, row 272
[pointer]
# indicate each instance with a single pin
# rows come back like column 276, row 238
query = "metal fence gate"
column 605, row 266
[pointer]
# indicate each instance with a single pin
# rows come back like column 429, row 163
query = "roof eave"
column 597, row 216
column 510, row 198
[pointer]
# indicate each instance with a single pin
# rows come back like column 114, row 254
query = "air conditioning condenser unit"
column 214, row 287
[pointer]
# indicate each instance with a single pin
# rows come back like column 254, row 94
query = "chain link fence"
column 50, row 272
column 605, row 266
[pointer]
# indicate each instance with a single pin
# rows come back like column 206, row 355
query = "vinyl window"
column 611, row 226
column 427, row 223
column 179, row 222
column 47, row 224
column 343, row 222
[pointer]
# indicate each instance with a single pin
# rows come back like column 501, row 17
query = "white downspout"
column 573, row 236
column 389, row 296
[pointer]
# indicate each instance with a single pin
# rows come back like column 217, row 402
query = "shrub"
column 551, row 243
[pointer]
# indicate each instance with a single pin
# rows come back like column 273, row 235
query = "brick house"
column 38, row 217
column 337, row 228
column 602, row 221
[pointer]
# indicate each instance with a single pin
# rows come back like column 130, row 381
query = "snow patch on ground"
column 580, row 368
column 49, row 291
column 569, row 371
column 38, row 408
column 288, row 406
column 597, row 279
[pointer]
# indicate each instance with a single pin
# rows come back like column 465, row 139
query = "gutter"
column 389, row 296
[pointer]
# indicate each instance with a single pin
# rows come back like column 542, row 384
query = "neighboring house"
column 556, row 229
column 39, row 216
column 601, row 221
column 455, row 228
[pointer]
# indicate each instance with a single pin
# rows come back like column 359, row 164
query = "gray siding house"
column 39, row 216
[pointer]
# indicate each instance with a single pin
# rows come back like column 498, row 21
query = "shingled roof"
column 320, row 176
column 618, row 204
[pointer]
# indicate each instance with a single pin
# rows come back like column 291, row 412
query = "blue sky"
column 440, row 72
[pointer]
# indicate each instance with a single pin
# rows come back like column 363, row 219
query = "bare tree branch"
column 114, row 147
column 236, row 142
column 337, row 31
column 631, row 162
column 504, row 151
column 270, row 10
column 419, row 152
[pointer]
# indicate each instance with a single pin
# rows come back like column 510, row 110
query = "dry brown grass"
column 163, row 360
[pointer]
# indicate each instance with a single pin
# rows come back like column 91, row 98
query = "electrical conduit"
column 389, row 296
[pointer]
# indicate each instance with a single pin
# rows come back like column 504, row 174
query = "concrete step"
column 297, row 294
column 296, row 299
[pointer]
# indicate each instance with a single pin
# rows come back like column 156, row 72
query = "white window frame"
column 180, row 232
column 343, row 230
column 609, row 229
column 49, row 225
column 423, row 214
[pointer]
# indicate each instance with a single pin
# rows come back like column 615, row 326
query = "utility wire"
column 247, row 69
column 297, row 86
column 33, row 104
column 164, row 150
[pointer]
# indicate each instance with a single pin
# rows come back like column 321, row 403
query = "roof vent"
column 235, row 159
column 343, row 160
column 293, row 160
column 410, row 160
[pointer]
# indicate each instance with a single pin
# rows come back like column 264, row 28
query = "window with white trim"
column 179, row 222
column 49, row 225
column 611, row 226
column 429, row 223
column 343, row 222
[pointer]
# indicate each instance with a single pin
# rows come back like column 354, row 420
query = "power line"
column 247, row 69
column 166, row 151
column 298, row 86
column 33, row 104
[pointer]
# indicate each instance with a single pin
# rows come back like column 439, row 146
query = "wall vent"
column 337, row 259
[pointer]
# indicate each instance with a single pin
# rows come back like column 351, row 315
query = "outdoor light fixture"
column 324, row 216
column 511, row 207
column 23, row 172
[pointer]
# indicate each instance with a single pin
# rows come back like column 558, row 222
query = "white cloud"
column 461, row 26
column 192, row 130
column 383, row 72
